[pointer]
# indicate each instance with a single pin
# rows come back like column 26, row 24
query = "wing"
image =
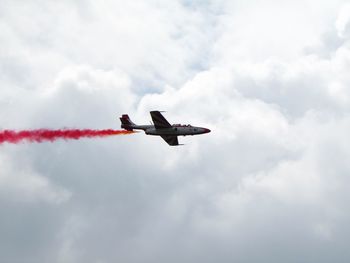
column 170, row 139
column 159, row 121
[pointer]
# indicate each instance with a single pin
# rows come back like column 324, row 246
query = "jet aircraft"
column 162, row 128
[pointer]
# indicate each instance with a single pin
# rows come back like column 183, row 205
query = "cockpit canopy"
column 182, row 125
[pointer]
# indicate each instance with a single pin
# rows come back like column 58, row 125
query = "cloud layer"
column 270, row 80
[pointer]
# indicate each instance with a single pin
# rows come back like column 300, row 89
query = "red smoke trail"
column 41, row 135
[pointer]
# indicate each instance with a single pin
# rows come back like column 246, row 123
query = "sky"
column 268, row 184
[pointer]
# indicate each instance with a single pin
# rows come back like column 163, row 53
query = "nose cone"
column 206, row 130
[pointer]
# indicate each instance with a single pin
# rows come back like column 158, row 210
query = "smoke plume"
column 41, row 135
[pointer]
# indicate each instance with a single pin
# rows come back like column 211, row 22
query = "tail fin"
column 126, row 122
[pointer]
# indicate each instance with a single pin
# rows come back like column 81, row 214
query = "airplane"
column 162, row 128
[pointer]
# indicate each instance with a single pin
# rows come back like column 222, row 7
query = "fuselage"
column 162, row 128
column 176, row 130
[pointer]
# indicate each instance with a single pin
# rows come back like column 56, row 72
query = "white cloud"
column 343, row 22
column 269, row 184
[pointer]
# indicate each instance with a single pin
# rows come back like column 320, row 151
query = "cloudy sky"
column 270, row 183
